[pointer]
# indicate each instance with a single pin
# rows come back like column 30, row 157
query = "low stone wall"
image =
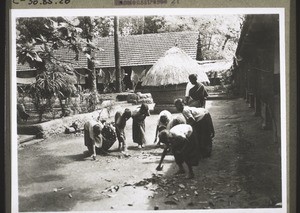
column 46, row 129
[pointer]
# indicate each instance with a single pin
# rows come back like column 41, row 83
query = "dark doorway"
column 127, row 78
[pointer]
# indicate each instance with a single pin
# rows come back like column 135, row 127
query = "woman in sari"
column 184, row 148
column 196, row 94
column 203, row 129
column 138, row 125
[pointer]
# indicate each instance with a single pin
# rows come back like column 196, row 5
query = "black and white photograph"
column 148, row 110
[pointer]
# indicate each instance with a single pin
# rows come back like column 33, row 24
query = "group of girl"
column 189, row 139
column 98, row 135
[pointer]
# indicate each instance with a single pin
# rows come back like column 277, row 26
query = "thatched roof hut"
column 173, row 68
column 167, row 78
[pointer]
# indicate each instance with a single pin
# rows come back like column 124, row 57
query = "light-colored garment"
column 164, row 113
column 89, row 125
column 188, row 87
column 193, row 112
column 175, row 121
column 183, row 130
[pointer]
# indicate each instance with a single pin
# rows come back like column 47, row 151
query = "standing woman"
column 203, row 129
column 196, row 93
column 138, row 125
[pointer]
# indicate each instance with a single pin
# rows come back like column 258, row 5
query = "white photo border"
column 18, row 13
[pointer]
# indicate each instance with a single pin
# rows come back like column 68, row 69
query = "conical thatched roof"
column 173, row 68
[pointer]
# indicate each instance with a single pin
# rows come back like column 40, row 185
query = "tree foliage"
column 38, row 37
column 219, row 34
column 37, row 41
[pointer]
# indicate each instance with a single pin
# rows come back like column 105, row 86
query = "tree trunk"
column 209, row 43
column 39, row 109
column 199, row 55
column 63, row 110
column 92, row 73
column 227, row 38
column 143, row 24
column 117, row 55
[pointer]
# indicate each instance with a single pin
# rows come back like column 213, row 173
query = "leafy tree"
column 131, row 25
column 103, row 26
column 219, row 34
column 37, row 41
column 48, row 85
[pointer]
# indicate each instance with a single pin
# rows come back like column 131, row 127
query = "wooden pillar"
column 117, row 55
column 257, row 106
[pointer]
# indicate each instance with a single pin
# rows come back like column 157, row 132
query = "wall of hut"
column 257, row 74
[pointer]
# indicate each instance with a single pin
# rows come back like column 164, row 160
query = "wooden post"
column 92, row 70
column 199, row 55
column 117, row 55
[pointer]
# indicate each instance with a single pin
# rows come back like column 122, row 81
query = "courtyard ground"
column 244, row 171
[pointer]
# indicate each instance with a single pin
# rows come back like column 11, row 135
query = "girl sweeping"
column 203, row 129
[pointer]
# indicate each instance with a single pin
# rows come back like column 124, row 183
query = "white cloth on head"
column 183, row 130
column 164, row 113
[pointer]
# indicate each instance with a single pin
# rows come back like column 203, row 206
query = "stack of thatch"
column 140, row 98
column 173, row 68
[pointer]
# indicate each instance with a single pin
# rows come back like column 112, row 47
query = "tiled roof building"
column 135, row 50
column 146, row 49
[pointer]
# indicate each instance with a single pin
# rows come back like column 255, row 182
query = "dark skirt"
column 108, row 135
column 138, row 131
column 185, row 150
column 202, row 133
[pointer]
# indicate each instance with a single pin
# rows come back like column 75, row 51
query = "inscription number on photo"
column 42, row 2
column 143, row 2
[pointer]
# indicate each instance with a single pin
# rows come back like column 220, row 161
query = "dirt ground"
column 244, row 171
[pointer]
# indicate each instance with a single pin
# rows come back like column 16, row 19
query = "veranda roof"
column 173, row 68
column 215, row 66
